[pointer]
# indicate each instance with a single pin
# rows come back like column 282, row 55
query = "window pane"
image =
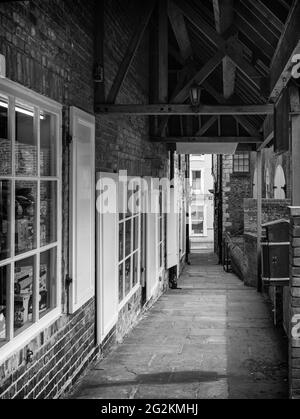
column 48, row 212
column 135, row 233
column 128, row 238
column 25, row 212
column 198, row 227
column 121, row 282
column 121, row 241
column 5, row 143
column 26, row 147
column 4, row 278
column 47, row 286
column 24, row 273
column 127, row 275
column 5, row 207
column 135, row 269
column 48, row 140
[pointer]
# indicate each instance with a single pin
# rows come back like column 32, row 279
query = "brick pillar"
column 294, row 332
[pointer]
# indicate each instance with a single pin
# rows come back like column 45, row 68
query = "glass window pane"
column 47, row 286
column 48, row 144
column 25, row 213
column 5, row 210
column 23, row 304
column 136, row 233
column 135, row 269
column 48, row 212
column 198, row 227
column 4, row 278
column 26, row 147
column 121, row 282
column 127, row 275
column 121, row 241
column 5, row 143
column 128, row 238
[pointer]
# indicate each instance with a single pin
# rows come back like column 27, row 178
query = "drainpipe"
column 220, row 209
column 187, row 227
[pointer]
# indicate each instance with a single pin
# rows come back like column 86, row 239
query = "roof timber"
column 288, row 46
column 224, row 14
column 182, row 109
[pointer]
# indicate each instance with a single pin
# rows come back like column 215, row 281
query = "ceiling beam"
column 242, row 120
column 182, row 109
column 163, row 68
column 180, row 31
column 288, row 46
column 207, row 125
column 224, row 14
column 215, row 139
column 267, row 14
column 131, row 51
column 231, row 47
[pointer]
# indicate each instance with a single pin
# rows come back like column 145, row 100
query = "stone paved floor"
column 214, row 338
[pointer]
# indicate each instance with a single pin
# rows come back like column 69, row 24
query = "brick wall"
column 49, row 46
column 294, row 303
column 272, row 210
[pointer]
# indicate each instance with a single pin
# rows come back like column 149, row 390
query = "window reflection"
column 25, row 213
column 25, row 147
column 5, row 207
column 24, row 273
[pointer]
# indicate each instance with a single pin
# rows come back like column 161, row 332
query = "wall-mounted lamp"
column 195, row 95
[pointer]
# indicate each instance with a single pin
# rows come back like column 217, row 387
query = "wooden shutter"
column 107, row 256
column 82, row 203
column 151, row 241
column 172, row 231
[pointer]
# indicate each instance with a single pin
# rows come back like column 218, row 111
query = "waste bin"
column 275, row 253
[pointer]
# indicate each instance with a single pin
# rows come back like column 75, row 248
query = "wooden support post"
column 259, row 218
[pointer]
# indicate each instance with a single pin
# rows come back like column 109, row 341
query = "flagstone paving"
column 213, row 338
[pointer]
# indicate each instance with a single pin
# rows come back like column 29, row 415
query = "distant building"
column 202, row 204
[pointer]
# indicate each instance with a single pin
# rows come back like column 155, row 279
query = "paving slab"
column 211, row 339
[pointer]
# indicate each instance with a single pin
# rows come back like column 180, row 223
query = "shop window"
column 29, row 214
column 129, row 251
column 241, row 163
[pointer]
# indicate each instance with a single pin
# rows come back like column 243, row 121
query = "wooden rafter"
column 180, row 31
column 224, row 13
column 182, row 109
column 267, row 14
column 228, row 47
column 288, row 46
column 131, row 51
column 207, row 125
column 163, row 51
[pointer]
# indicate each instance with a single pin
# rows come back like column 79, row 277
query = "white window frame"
column 16, row 92
column 135, row 288
column 204, row 220
column 201, row 180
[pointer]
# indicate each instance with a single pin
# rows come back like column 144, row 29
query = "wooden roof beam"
column 130, row 52
column 231, row 47
column 224, row 13
column 288, row 47
column 180, row 31
column 183, row 109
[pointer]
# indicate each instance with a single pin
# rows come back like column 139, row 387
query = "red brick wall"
column 49, row 46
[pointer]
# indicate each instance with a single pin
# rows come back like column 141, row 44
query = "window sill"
column 24, row 338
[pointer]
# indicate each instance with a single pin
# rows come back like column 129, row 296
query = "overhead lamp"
column 195, row 95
